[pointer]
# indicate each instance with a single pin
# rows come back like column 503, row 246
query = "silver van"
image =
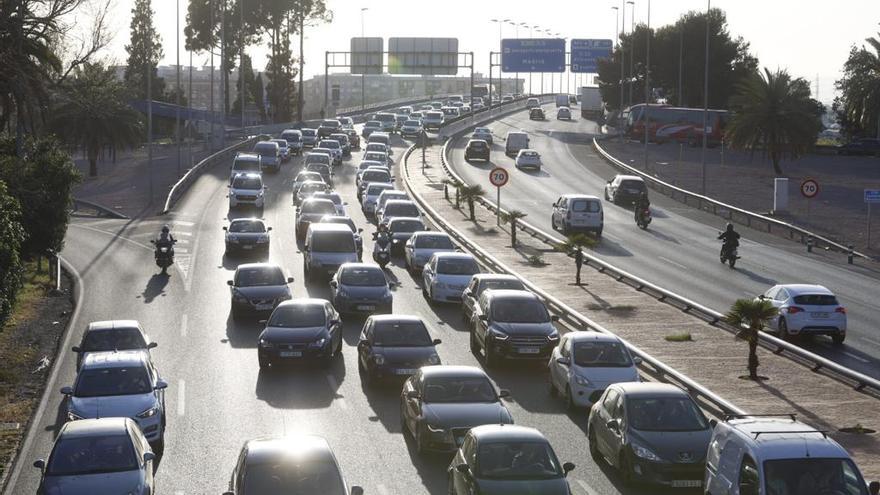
column 578, row 212
column 327, row 246
column 270, row 155
column 245, row 163
column 515, row 141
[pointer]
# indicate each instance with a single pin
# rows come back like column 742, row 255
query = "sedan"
column 477, row 149
column 360, row 288
column 563, row 113
column 483, row 133
column 585, row 363
column 108, row 455
column 401, row 229
column 342, row 139
column 439, row 404
column 247, row 235
column 258, row 288
column 411, row 128
column 308, row 190
column 304, row 176
column 500, row 460
column 806, row 310
column 113, row 335
column 336, row 198
column 651, row 432
column 512, row 324
column 528, row 159
column 371, row 127
column 311, row 210
column 422, row 245
column 293, row 464
column 482, row 282
column 445, row 276
column 624, row 189
column 283, row 148
column 371, row 195
column 536, row 114
column 309, row 136
column 304, row 329
column 328, row 127
column 395, row 346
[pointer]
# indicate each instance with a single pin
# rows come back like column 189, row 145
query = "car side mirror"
column 463, row 468
column 436, row 341
column 334, row 322
column 149, row 456
column 334, row 284
column 412, row 394
column 563, row 361
column 229, row 283
column 360, row 231
column 554, row 317
column 76, row 348
column 152, row 345
column 637, row 360
column 484, row 317
column 762, row 297
column 504, row 393
column 268, row 229
column 289, row 280
column 67, row 390
column 40, row 463
column 161, row 385
column 357, row 490
column 224, row 228
column 568, row 467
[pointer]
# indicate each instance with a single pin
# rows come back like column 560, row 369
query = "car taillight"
column 794, row 309
column 840, row 309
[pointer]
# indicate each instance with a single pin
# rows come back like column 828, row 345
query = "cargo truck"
column 591, row 103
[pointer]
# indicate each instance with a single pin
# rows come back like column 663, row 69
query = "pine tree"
column 144, row 50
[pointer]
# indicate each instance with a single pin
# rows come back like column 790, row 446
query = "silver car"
column 361, row 288
column 311, row 210
column 422, row 245
column 120, row 384
column 309, row 137
column 98, row 456
column 247, row 235
column 257, row 288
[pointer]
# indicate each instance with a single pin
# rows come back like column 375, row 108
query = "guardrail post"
column 809, row 244
column 849, row 254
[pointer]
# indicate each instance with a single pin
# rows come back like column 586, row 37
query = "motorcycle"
column 643, row 218
column 164, row 256
column 381, row 254
column 729, row 254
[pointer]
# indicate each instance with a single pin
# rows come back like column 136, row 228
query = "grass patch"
column 36, row 286
column 679, row 337
column 858, row 429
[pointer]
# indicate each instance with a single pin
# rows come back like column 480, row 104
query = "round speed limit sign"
column 498, row 176
column 809, row 188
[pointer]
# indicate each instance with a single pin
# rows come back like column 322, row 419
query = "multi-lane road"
column 679, row 251
column 217, row 396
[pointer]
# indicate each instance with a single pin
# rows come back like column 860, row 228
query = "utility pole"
column 632, row 46
column 679, row 98
column 300, row 98
column 622, row 58
column 364, row 68
column 705, row 100
column 177, row 93
column 211, row 147
column 189, row 100
column 224, row 98
column 647, row 83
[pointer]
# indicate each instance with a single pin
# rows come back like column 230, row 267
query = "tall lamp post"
column 619, row 50
column 622, row 60
column 531, row 90
column 647, row 82
column 500, row 23
column 548, row 33
column 364, row 68
column 177, row 93
column 516, row 34
column 632, row 47
column 705, row 99
column 526, row 26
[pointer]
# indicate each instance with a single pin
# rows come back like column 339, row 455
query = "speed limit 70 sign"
column 498, row 176
column 809, row 188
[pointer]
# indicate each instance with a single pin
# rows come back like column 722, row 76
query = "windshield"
column 247, row 183
column 401, row 334
column 376, row 189
column 318, row 158
column 247, row 227
column 517, row 461
column 309, row 132
column 633, row 184
column 512, row 284
column 333, row 242
column 266, row 149
column 384, row 117
column 376, row 157
column 298, row 316
column 121, row 339
column 433, row 242
column 457, row 266
column 319, row 168
column 816, row 300
column 318, row 207
column 337, row 200
column 519, row 310
column 330, row 144
column 342, row 221
column 375, row 176
column 665, row 414
column 300, row 478
column 258, row 277
column 304, row 176
column 362, row 277
column 459, row 389
column 101, row 382
column 401, row 210
column 806, row 476
column 91, row 455
column 282, row 143
column 601, row 355
column 406, row 226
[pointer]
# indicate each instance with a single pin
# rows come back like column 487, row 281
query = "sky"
column 808, row 38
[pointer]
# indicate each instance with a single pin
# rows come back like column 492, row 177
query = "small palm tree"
column 453, row 183
column 512, row 216
column 774, row 112
column 750, row 315
column 576, row 242
column 470, row 194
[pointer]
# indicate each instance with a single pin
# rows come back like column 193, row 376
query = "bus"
column 683, row 125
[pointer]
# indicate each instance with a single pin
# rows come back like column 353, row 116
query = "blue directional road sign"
column 584, row 54
column 872, row 195
column 533, row 55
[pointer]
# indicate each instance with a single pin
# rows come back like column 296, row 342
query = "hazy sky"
column 806, row 37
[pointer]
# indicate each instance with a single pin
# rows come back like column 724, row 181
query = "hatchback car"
column 328, row 127
column 311, row 210
column 483, row 133
column 247, row 235
column 378, row 156
column 512, row 324
column 283, row 148
column 361, row 288
column 336, row 150
column 806, row 310
column 578, row 212
column 378, row 147
column 536, row 114
column 245, row 163
column 503, row 459
column 342, row 139
column 422, row 245
column 411, row 128
column 477, row 149
column 401, row 229
column 372, row 175
column 347, row 122
column 563, row 113
column 308, row 190
column 121, row 384
column 396, row 208
column 309, row 136
column 319, row 156
column 624, row 189
column 585, row 363
column 386, row 196
column 651, row 432
column 439, row 404
column 257, row 288
column 323, row 169
column 247, row 190
column 370, row 127
column 445, row 276
column 304, row 176
column 113, row 335
column 108, row 455
column 482, row 282
column 300, row 330
column 433, row 120
column 335, row 197
column 531, row 103
column 294, row 140
column 530, row 159
column 394, row 346
column 371, row 195
column 293, row 464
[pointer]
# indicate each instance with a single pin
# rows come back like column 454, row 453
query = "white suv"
column 806, row 310
column 247, row 190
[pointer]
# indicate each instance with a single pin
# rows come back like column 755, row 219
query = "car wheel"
column 403, row 426
column 159, row 448
column 451, row 484
column 338, row 351
column 594, row 449
column 553, row 222
column 565, row 229
column 552, row 387
column 626, row 471
column 783, row 331
column 474, row 344
column 838, row 338
column 606, row 195
column 420, row 444
column 264, row 360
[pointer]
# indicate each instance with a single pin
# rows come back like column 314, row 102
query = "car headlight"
column 582, row 381
column 498, row 334
column 388, row 297
column 434, row 428
column 238, row 296
column 263, row 240
column 379, row 359
column 72, row 416
column 645, row 453
column 265, row 344
column 149, row 413
column 318, row 343
column 342, row 293
column 434, row 359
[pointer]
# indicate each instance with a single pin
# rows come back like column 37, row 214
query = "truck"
column 561, row 101
column 591, row 103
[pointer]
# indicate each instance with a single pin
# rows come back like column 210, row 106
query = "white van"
column 327, row 246
column 245, row 163
column 573, row 212
column 515, row 141
column 767, row 455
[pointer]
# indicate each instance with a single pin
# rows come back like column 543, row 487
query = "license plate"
column 366, row 307
column 264, row 307
column 528, row 350
column 404, row 372
column 291, row 354
column 247, row 246
column 819, row 315
column 687, row 483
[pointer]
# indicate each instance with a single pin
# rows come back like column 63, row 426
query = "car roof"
column 247, row 156
column 311, row 447
column 371, row 266
column 629, row 177
column 303, row 301
column 97, row 326
column 395, row 192
column 249, row 175
column 264, row 265
column 649, row 389
column 507, row 433
column 114, row 359
column 580, row 196
column 528, row 150
column 785, row 438
column 396, row 317
column 318, row 200
column 380, row 185
column 449, row 370
column 495, row 276
column 408, row 219
column 329, row 227
column 483, row 141
column 454, row 255
column 94, row 427
column 800, row 289
column 398, row 202
column 511, row 294
column 592, row 337
column 431, row 233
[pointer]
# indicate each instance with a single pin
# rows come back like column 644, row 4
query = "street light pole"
column 705, row 100
column 622, row 58
column 241, row 78
column 632, row 47
column 531, row 87
column 516, row 33
column 364, row 68
column 647, row 82
column 620, row 51
column 177, row 93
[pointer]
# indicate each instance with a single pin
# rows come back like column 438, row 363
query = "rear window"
column 457, row 266
column 401, row 210
column 585, row 205
column 315, row 207
column 333, row 242
column 259, row 277
column 385, row 117
column 529, row 154
column 500, row 284
column 247, row 227
column 330, row 123
column 309, row 132
column 406, row 226
column 298, row 316
column 433, row 242
column 435, row 115
column 375, row 157
column 477, row 144
column 330, row 144
column 363, row 277
column 633, row 184
column 282, row 143
column 412, row 123
column 376, row 176
column 378, row 147
column 290, row 137
column 318, row 158
column 266, row 149
column 376, row 189
column 816, row 300
column 245, row 166
column 121, row 339
column 373, row 123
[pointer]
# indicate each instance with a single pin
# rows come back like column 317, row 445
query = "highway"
column 217, row 396
column 679, row 251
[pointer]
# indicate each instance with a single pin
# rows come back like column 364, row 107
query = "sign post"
column 809, row 190
column 498, row 177
column 871, row 196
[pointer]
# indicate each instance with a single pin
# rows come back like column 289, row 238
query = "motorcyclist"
column 165, row 240
column 729, row 238
column 382, row 237
column 642, row 203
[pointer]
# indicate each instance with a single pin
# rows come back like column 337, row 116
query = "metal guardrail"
column 718, row 208
column 571, row 317
column 776, row 345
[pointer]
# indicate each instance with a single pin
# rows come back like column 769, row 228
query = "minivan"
column 245, row 163
column 573, row 212
column 515, row 141
column 327, row 246
column 294, row 140
column 270, row 155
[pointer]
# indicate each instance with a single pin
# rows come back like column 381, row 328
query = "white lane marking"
column 857, row 358
column 331, row 380
column 183, row 321
column 181, row 398
column 673, row 262
column 583, row 484
column 182, row 222
column 875, row 342
column 383, row 490
column 126, row 239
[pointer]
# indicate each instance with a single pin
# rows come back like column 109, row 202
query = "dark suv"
column 536, row 114
column 476, row 149
column 512, row 324
column 328, row 127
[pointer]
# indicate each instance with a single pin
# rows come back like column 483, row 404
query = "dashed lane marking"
column 672, row 262
column 181, row 398
column 183, row 322
column 583, row 484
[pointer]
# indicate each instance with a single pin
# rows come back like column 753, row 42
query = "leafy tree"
column 92, row 114
column 775, row 113
column 750, row 315
column 11, row 237
column 144, row 51
column 307, row 13
column 470, row 193
column 281, row 74
column 858, row 106
column 253, row 90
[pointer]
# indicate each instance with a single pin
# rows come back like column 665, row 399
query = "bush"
column 11, row 237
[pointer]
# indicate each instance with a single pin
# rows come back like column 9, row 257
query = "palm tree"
column 453, row 183
column 470, row 194
column 512, row 216
column 774, row 112
column 576, row 242
column 750, row 315
column 859, row 102
column 93, row 114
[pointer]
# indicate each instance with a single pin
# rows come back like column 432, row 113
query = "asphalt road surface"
column 217, row 396
column 679, row 251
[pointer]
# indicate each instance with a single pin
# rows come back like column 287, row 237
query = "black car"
column 328, row 127
column 536, row 114
column 863, row 146
column 476, row 149
column 394, row 346
column 257, row 288
column 301, row 330
column 512, row 324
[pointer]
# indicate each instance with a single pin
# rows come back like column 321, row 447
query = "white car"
column 377, row 156
column 806, row 310
column 433, row 120
column 387, row 196
column 371, row 194
column 583, row 364
column 563, row 113
column 530, row 103
column 422, row 245
column 411, row 128
column 397, row 208
column 247, row 190
column 336, row 198
column 379, row 148
column 528, row 159
column 483, row 133
column 346, row 122
column 445, row 276
column 335, row 148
